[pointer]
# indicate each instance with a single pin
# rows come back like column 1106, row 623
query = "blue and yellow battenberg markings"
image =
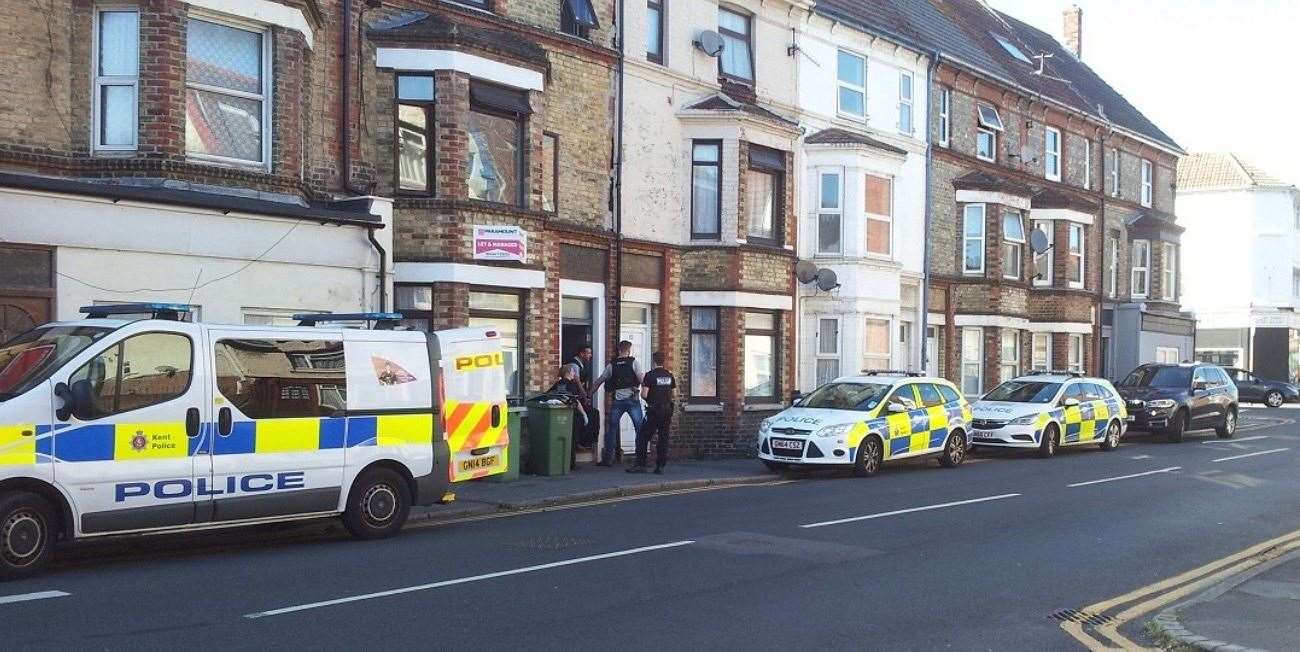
column 913, row 431
column 1085, row 422
column 163, row 440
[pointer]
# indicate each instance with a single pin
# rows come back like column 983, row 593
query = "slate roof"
column 719, row 102
column 424, row 28
column 836, row 136
column 980, row 180
column 962, row 32
column 1223, row 170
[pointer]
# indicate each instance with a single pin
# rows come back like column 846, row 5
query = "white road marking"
column 1125, row 477
column 1237, row 457
column 464, row 580
column 27, row 597
column 1141, row 457
column 908, row 511
column 1235, row 441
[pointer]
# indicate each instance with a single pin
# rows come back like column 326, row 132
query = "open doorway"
column 576, row 329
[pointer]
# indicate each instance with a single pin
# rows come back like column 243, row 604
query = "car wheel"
column 26, row 534
column 1273, row 399
column 954, row 451
column 1111, row 442
column 1051, row 440
column 870, row 456
column 774, row 466
column 378, row 505
column 1227, row 429
column 1177, row 426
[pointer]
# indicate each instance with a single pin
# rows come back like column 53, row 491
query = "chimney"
column 1074, row 31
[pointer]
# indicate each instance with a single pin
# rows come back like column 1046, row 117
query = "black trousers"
column 657, row 424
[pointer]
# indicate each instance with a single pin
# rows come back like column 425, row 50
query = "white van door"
column 124, row 454
column 636, row 331
column 279, row 400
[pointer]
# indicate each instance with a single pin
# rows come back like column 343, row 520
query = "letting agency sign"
column 500, row 243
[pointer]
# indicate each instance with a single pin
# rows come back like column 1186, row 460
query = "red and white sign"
column 500, row 243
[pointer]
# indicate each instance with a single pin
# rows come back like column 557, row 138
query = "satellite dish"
column 826, row 279
column 805, row 271
column 709, row 43
column 1038, row 242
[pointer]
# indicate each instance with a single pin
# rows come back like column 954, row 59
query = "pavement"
column 1258, row 609
column 1006, row 552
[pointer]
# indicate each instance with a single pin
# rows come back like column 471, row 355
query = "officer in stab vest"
column 658, row 392
column 624, row 376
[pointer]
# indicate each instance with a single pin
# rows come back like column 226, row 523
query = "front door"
column 634, row 326
column 126, row 453
column 280, row 431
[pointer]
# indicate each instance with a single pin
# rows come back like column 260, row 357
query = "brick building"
column 1026, row 138
column 180, row 151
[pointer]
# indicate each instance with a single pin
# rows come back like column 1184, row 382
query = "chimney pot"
column 1073, row 31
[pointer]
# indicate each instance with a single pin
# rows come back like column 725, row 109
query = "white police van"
column 114, row 424
column 863, row 421
column 1047, row 410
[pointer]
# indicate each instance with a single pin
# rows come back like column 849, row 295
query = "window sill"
column 986, row 160
column 763, row 407
column 702, row 407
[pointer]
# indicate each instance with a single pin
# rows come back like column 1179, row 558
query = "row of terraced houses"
column 774, row 192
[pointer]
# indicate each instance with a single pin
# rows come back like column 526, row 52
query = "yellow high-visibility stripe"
column 402, row 429
column 287, row 435
column 15, row 447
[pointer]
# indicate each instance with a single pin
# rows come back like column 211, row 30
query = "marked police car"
column 115, row 424
column 1047, row 410
column 866, row 420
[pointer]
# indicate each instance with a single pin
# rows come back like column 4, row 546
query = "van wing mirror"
column 64, row 393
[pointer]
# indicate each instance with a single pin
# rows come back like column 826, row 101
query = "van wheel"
column 1227, row 429
column 870, row 455
column 1051, row 441
column 1111, row 442
column 26, row 534
column 1177, row 426
column 378, row 504
column 954, row 452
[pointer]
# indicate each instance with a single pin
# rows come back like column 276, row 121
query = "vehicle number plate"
column 477, row 463
column 787, row 444
column 983, row 434
column 1130, row 418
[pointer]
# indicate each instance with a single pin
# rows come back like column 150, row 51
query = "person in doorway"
column 582, row 362
column 624, row 377
column 657, row 389
column 582, row 359
column 569, row 384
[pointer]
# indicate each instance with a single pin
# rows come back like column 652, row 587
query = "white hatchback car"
column 1047, row 410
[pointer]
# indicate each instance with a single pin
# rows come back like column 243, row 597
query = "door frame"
column 595, row 292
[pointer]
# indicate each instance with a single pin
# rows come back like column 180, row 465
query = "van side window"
column 949, row 394
column 276, row 379
column 138, row 372
column 929, row 395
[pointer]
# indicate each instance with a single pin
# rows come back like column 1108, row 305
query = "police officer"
column 657, row 388
column 624, row 376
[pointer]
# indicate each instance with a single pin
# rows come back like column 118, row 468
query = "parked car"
column 1253, row 389
column 1049, row 409
column 1175, row 398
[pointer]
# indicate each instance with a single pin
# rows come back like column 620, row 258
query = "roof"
column 980, row 180
column 721, row 102
column 837, row 136
column 341, row 212
column 426, row 29
column 1223, row 170
column 966, row 33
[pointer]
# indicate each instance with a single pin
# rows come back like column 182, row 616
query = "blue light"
column 135, row 309
column 317, row 317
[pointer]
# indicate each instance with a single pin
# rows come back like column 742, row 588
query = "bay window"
column 830, row 214
column 1040, row 345
column 503, row 311
column 1168, row 271
column 1013, row 243
column 415, row 133
column 1075, row 353
column 828, row 350
column 879, row 215
column 496, row 170
column 875, row 344
column 761, row 356
column 764, row 183
column 1140, row 263
column 1043, row 261
column 1010, row 345
column 706, row 191
column 972, row 361
column 1077, row 255
column 973, row 239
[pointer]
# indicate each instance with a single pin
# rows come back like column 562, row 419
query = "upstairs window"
column 737, row 58
column 415, row 133
column 880, row 215
column 577, row 18
column 1140, row 264
column 764, row 183
column 986, row 138
column 496, row 126
column 1112, row 267
column 973, row 239
column 1043, row 261
column 1076, row 252
column 117, row 61
column 550, row 172
column 1013, row 244
column 1168, row 271
column 654, row 31
column 706, row 190
column 1087, row 164
column 1052, row 153
column 227, row 83
column 1148, row 175
column 945, row 116
column 905, row 103
column 830, row 214
column 1114, row 172
column 852, row 80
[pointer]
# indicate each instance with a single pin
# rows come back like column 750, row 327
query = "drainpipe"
column 345, row 137
column 383, row 269
column 617, row 193
column 925, row 256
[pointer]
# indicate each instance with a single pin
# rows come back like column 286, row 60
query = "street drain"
column 1087, row 618
column 547, row 543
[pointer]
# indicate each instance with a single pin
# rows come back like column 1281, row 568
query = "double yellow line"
column 1143, row 601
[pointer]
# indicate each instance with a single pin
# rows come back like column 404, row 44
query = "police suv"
column 1047, row 410
column 866, row 420
column 115, row 424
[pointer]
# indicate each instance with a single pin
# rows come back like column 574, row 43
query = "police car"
column 866, row 420
column 1047, row 410
column 117, row 424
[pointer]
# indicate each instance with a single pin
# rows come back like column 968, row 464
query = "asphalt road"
column 977, row 557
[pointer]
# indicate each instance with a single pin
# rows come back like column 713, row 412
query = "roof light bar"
column 169, row 311
column 313, row 318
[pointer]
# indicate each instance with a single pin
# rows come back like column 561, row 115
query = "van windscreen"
column 30, row 358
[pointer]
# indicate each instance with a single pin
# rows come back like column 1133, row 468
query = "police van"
column 864, row 421
column 1050, row 409
column 116, row 424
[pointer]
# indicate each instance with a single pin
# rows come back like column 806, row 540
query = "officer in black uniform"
column 657, row 389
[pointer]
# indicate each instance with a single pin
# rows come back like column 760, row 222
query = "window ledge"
column 763, row 407
column 702, row 407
